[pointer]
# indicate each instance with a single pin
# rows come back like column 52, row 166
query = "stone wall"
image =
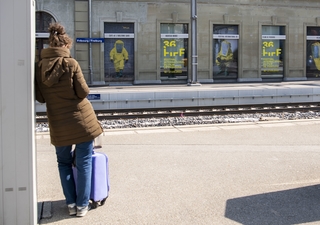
column 249, row 15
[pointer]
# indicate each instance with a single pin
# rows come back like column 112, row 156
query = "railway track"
column 197, row 111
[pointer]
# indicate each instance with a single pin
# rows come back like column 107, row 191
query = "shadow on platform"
column 295, row 206
column 59, row 212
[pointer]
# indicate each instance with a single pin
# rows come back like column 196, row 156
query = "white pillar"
column 18, row 202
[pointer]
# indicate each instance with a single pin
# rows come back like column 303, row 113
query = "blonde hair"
column 58, row 36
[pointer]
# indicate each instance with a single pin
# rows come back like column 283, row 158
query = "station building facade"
column 149, row 42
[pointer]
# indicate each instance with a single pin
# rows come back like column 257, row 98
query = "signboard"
column 42, row 35
column 90, row 40
column 274, row 37
column 174, row 35
column 313, row 38
column 108, row 35
column 94, row 96
column 226, row 36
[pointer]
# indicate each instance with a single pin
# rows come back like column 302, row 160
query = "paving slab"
column 253, row 173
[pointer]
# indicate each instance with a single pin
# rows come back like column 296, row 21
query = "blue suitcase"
column 99, row 180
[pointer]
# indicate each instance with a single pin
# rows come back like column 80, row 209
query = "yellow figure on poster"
column 119, row 55
column 315, row 49
column 224, row 57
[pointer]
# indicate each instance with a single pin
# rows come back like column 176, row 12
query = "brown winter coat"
column 61, row 85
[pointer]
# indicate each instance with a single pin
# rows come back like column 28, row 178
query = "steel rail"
column 197, row 111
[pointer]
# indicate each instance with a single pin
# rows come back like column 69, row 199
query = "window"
column 43, row 21
column 273, row 50
column 225, row 52
column 119, row 52
column 313, row 52
column 174, row 52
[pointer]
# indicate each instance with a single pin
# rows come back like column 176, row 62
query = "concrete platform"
column 135, row 97
column 250, row 173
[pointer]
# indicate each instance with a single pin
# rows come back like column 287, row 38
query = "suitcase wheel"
column 94, row 205
column 103, row 201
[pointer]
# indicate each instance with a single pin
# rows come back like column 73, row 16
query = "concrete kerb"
column 188, row 128
column 217, row 126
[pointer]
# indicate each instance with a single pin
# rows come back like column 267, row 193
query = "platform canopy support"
column 194, row 43
column 18, row 202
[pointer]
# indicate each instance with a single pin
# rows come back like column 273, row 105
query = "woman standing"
column 72, row 121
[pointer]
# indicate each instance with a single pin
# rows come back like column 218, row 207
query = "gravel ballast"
column 199, row 120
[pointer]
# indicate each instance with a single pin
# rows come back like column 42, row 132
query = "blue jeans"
column 83, row 159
